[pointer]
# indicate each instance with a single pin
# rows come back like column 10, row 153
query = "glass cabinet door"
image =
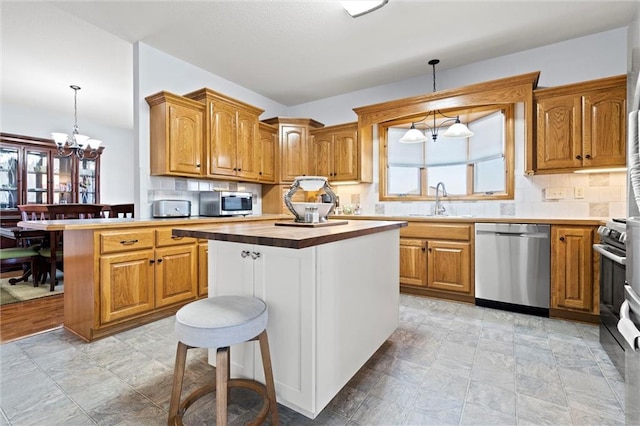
column 63, row 180
column 8, row 178
column 37, row 176
column 87, row 181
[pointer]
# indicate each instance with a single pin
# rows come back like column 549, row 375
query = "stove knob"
column 604, row 231
column 623, row 237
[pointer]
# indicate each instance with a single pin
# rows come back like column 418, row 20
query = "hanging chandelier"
column 77, row 144
column 456, row 130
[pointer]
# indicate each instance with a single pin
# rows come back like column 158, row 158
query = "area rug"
column 22, row 291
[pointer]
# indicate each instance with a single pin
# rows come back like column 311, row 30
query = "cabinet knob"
column 255, row 255
column 588, row 156
column 424, row 249
column 198, row 165
column 244, row 253
column 152, row 261
column 429, row 249
column 561, row 238
column 160, row 260
column 578, row 157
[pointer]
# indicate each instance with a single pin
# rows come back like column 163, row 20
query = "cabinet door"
column 37, row 178
column 413, row 261
column 571, row 268
column 126, row 285
column 323, row 155
column 604, row 128
column 10, row 178
column 559, row 132
column 248, row 151
column 185, row 139
column 345, row 154
column 86, row 185
column 268, row 155
column 293, row 140
column 203, row 269
column 176, row 277
column 223, row 140
column 448, row 266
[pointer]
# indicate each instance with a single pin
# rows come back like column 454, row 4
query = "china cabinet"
column 31, row 171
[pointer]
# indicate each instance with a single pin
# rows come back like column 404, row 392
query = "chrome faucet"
column 440, row 209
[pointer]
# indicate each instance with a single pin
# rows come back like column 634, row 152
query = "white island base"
column 331, row 306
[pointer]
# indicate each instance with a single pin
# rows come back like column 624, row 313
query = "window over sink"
column 478, row 167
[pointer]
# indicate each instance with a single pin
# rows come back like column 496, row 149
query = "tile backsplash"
column 579, row 195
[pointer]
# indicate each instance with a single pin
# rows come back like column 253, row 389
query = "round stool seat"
column 222, row 321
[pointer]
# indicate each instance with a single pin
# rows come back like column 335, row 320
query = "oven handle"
column 601, row 248
column 627, row 328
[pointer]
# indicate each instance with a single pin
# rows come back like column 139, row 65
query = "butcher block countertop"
column 295, row 237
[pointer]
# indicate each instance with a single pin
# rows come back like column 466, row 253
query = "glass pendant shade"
column 458, row 130
column 82, row 140
column 59, row 138
column 413, row 135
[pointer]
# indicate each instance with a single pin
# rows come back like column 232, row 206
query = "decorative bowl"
column 323, row 208
column 311, row 183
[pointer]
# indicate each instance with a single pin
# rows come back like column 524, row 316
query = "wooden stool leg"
column 222, row 380
column 268, row 376
column 178, row 377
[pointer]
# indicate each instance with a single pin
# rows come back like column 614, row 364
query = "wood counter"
column 268, row 234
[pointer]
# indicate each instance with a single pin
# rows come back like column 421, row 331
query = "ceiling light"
column 78, row 143
column 359, row 8
column 456, row 130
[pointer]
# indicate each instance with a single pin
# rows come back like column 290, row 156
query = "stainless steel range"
column 612, row 280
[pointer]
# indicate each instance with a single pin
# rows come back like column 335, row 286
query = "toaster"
column 171, row 208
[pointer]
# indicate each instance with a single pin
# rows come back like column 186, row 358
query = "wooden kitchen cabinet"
column 268, row 147
column 176, row 135
column 574, row 285
column 335, row 152
column 138, row 281
column 232, row 138
column 436, row 259
column 448, row 266
column 581, row 125
column 413, row 261
column 203, row 269
column 293, row 146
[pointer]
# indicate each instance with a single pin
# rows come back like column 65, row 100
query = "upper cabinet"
column 32, row 171
column 335, row 153
column 580, row 126
column 294, row 149
column 177, row 132
column 232, row 140
column 268, row 148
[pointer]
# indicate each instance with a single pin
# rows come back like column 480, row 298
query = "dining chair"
column 51, row 252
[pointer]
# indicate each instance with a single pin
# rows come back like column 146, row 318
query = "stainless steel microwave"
column 225, row 203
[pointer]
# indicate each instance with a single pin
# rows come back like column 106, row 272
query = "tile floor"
column 447, row 363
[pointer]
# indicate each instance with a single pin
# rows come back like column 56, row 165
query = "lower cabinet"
column 437, row 260
column 574, row 273
column 203, row 269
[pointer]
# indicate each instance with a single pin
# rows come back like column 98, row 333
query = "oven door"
column 612, row 281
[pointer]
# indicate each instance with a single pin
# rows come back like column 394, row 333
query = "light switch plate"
column 555, row 194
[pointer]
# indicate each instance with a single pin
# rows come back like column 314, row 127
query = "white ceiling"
column 290, row 51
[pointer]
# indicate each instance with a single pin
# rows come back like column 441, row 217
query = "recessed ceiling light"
column 359, row 8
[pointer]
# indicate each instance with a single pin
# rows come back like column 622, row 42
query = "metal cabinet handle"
column 173, row 237
column 128, row 242
column 255, row 255
column 244, row 253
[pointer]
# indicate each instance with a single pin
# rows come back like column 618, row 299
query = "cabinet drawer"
column 164, row 238
column 460, row 232
column 118, row 241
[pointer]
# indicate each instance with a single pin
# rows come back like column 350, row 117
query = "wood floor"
column 23, row 319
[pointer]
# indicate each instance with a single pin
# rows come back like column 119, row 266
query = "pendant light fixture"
column 456, row 130
column 77, row 143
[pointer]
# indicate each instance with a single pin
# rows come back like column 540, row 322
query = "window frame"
column 509, row 159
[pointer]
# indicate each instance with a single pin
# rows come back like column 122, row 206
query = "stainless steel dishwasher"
column 512, row 264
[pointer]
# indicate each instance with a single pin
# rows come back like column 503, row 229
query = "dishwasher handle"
column 514, row 234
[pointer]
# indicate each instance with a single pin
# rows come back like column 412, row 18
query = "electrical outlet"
column 578, row 192
column 555, row 194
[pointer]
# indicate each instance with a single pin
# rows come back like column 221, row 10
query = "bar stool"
column 219, row 322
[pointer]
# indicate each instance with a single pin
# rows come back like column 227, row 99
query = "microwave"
column 225, row 203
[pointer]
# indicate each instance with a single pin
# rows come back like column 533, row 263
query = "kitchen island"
column 332, row 295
